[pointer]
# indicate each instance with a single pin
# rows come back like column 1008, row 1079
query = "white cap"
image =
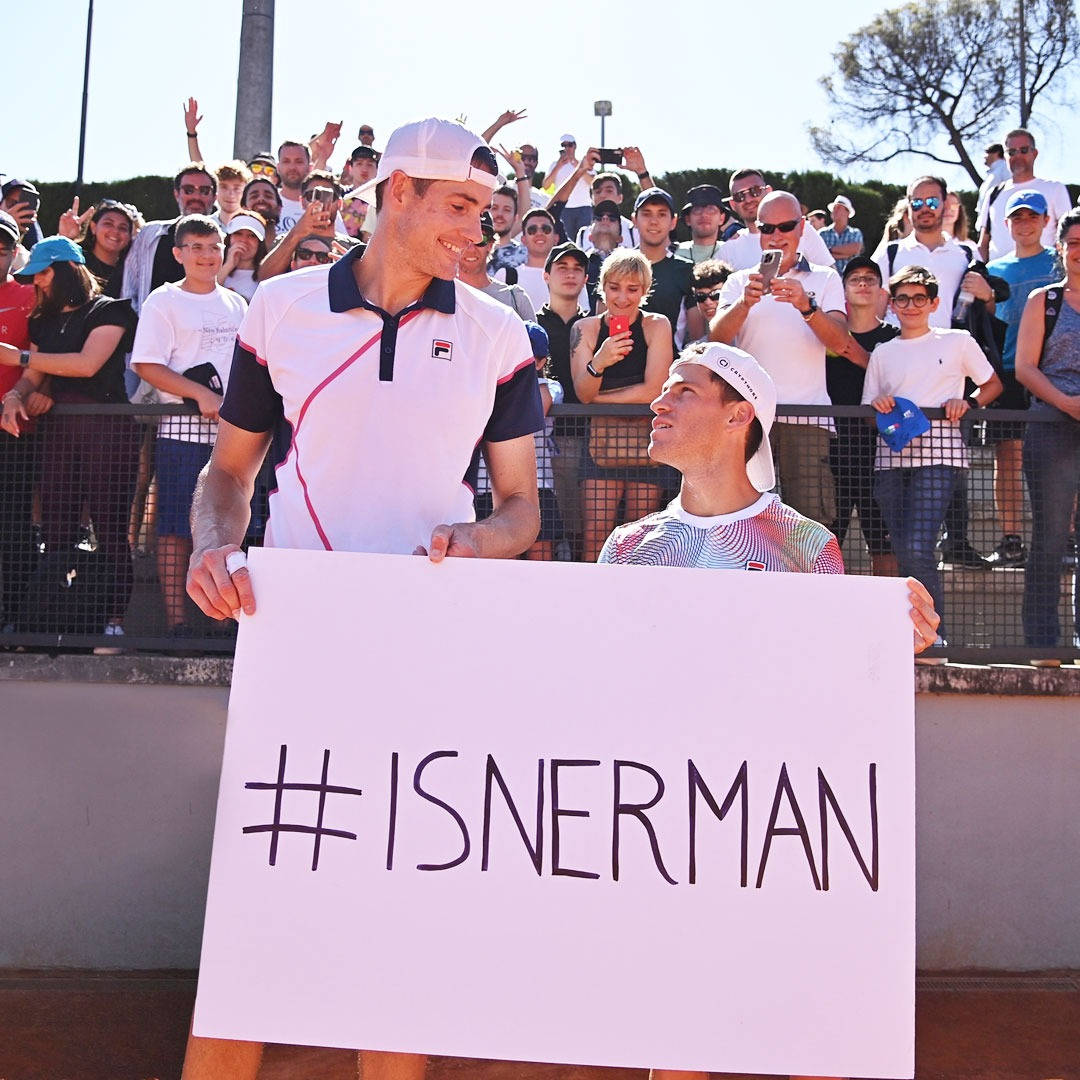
column 842, row 200
column 246, row 221
column 566, row 139
column 740, row 370
column 431, row 149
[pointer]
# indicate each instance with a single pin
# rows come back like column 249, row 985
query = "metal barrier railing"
column 93, row 506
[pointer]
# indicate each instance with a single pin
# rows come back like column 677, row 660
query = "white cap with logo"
column 431, row 149
column 741, row 371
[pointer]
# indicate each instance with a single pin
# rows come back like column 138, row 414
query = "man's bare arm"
column 220, row 511
column 515, row 522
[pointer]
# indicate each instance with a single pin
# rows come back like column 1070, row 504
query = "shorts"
column 1014, row 395
column 177, row 469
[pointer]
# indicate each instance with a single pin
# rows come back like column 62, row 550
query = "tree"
column 941, row 68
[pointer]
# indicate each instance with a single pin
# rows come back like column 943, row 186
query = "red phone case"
column 619, row 324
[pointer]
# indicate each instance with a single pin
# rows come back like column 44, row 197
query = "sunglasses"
column 783, row 226
column 366, row 131
column 863, row 279
column 701, row 297
column 324, row 194
column 754, row 192
column 196, row 189
column 903, row 300
column 606, row 217
column 306, row 255
column 532, row 230
column 931, row 204
column 261, row 169
column 1014, row 150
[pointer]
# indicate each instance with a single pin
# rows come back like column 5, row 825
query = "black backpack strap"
column 1053, row 299
column 510, row 275
column 890, row 253
column 994, row 193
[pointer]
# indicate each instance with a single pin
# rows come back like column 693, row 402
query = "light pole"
column 255, row 80
column 603, row 110
column 85, row 98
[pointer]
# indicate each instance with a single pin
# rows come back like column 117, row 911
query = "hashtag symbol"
column 276, row 827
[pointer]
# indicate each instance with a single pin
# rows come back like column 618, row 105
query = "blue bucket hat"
column 905, row 422
column 48, row 251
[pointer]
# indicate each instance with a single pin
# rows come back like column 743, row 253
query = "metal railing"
column 92, row 505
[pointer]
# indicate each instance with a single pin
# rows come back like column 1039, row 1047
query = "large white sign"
column 553, row 812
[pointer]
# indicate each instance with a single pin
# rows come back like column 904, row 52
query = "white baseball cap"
column 246, row 221
column 431, row 149
column 566, row 139
column 842, row 200
column 741, row 371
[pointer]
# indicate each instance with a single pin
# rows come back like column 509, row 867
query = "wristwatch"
column 24, row 358
column 593, row 372
column 808, row 314
column 972, row 403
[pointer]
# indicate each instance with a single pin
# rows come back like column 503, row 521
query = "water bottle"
column 963, row 303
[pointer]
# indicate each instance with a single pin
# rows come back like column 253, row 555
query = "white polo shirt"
column 781, row 340
column 743, row 250
column 948, row 262
column 387, row 413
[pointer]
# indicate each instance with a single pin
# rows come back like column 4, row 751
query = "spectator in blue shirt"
column 842, row 241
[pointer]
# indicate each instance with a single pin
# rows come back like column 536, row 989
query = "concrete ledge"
column 146, row 670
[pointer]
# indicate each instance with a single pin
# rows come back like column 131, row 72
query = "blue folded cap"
column 905, row 422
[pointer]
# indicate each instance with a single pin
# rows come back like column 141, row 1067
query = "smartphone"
column 619, row 324
column 325, row 195
column 769, row 265
column 30, row 199
column 610, row 157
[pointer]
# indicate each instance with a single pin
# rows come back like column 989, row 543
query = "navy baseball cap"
column 606, row 206
column 654, row 194
column 1027, row 199
column 538, row 338
column 45, row 252
column 905, row 422
column 704, row 195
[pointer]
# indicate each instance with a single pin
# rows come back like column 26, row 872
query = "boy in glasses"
column 709, row 275
column 150, row 263
column 184, row 348
column 926, row 365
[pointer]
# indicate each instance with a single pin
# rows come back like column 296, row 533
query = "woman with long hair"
column 79, row 339
column 104, row 232
column 619, row 358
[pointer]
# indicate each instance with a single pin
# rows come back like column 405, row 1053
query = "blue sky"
column 686, row 101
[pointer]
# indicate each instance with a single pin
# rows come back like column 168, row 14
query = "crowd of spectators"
column 942, row 315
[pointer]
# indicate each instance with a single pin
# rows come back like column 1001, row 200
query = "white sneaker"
column 112, row 630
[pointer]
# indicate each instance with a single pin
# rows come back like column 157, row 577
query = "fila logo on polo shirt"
column 754, row 564
column 442, row 350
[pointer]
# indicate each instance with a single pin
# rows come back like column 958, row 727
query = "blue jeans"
column 1052, row 470
column 913, row 502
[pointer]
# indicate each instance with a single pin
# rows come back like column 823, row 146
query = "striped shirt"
column 767, row 535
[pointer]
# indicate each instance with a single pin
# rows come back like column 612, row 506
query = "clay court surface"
column 132, row 1027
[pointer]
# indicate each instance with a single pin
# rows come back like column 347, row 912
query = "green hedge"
column 873, row 199
column 153, row 195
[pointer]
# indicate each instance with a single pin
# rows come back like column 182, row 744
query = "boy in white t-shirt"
column 184, row 346
column 927, row 366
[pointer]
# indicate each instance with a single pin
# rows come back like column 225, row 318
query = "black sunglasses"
column 701, row 297
column 783, row 226
column 304, row 254
column 532, row 230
